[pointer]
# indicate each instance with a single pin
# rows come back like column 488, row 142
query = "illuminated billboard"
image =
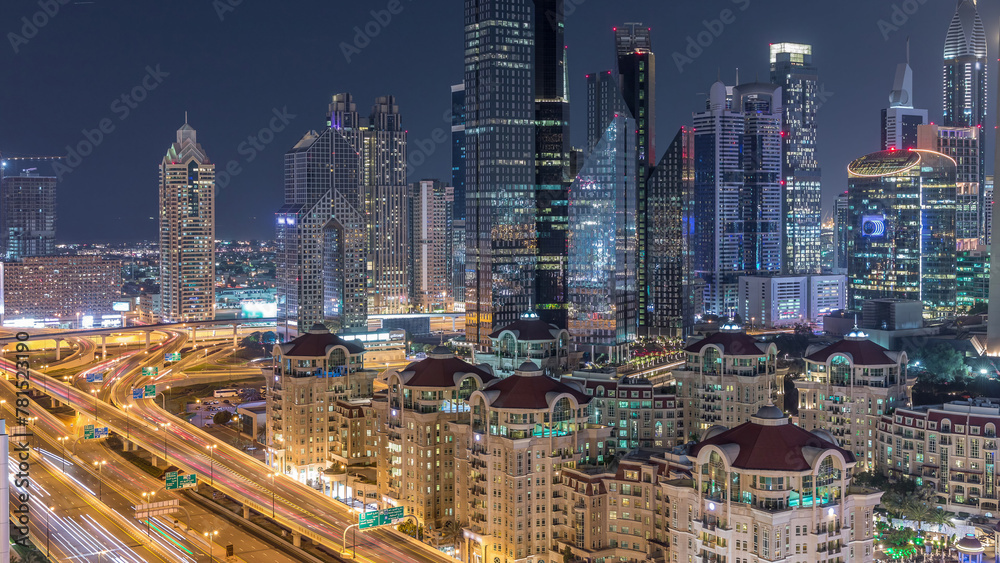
column 121, row 306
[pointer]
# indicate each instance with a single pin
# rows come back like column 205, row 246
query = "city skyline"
column 854, row 81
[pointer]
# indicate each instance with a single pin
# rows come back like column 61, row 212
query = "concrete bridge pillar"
column 147, row 339
column 234, row 334
column 58, row 349
column 104, row 346
column 246, row 512
column 296, row 539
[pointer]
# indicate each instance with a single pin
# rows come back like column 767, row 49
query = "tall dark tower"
column 965, row 77
column 551, row 161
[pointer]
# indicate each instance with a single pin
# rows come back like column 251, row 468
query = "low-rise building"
column 847, row 388
column 308, row 377
column 65, row 288
column 727, row 377
column 640, row 414
column 775, row 301
column 528, row 339
column 951, row 446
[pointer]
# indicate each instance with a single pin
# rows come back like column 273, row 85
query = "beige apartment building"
column 847, row 388
column 309, row 380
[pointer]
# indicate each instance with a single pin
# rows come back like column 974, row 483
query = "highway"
column 294, row 505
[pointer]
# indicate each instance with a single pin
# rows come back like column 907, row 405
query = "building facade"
column 416, row 462
column 602, row 244
column 792, row 69
column 310, row 376
column 61, row 287
column 737, row 213
column 187, row 231
column 901, row 242
column 901, row 120
column 641, row 415
column 727, row 377
column 847, row 388
column 28, row 224
column 962, row 145
column 789, row 300
column 973, row 280
column 458, row 182
column 431, row 206
column 528, row 339
column 841, row 219
column 952, row 447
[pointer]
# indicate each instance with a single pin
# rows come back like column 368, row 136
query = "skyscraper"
column 669, row 309
column 962, row 145
column 515, row 194
column 342, row 232
column 187, row 231
column 385, row 189
column 604, row 100
column 737, row 213
column 431, row 207
column 602, row 244
column 900, row 120
column 964, row 78
column 901, row 242
column 552, row 161
column 841, row 230
column 458, row 182
column 793, row 71
column 29, row 215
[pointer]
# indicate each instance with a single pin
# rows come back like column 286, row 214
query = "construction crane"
column 5, row 159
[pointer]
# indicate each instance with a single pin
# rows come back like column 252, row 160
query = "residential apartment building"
column 430, row 242
column 27, row 215
column 308, row 379
column 847, row 388
column 416, row 461
column 951, row 446
column 640, row 414
column 727, row 377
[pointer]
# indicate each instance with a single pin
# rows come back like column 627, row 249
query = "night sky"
column 232, row 72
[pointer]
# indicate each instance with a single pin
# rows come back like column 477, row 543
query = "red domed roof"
column 316, row 343
column 529, row 389
column 440, row 370
column 732, row 343
column 863, row 352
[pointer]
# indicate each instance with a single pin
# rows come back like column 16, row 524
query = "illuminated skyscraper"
column 517, row 162
column 792, row 69
column 841, row 221
column 901, row 119
column 458, row 182
column 962, row 145
column 737, row 217
column 602, row 244
column 964, row 79
column 29, row 215
column 901, row 242
column 187, row 231
column 431, row 206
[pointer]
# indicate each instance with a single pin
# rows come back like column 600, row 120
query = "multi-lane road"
column 294, row 505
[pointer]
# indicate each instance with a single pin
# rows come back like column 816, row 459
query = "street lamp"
column 94, row 393
column 164, row 426
column 147, row 496
column 164, row 396
column 211, row 545
column 127, row 421
column 62, row 440
column 272, row 476
column 211, row 453
column 51, row 508
column 100, row 480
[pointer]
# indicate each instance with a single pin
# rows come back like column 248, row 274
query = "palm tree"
column 451, row 534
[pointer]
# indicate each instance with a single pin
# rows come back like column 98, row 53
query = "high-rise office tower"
column 187, row 231
column 342, row 231
column 737, row 217
column 604, row 100
column 793, row 70
column 988, row 211
column 515, row 194
column 385, row 190
column 964, row 78
column 669, row 301
column 841, row 220
column 901, row 242
column 900, row 120
column 431, row 208
column 602, row 244
column 962, row 145
column 993, row 328
column 458, row 182
column 29, row 215
column 552, row 161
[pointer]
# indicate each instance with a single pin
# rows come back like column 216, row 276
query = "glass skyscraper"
column 792, row 69
column 901, row 242
column 964, row 79
column 737, row 216
column 458, row 182
column 516, row 162
column 602, row 244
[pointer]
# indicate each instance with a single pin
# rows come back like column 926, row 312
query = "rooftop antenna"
column 737, row 76
column 907, row 49
column 185, row 118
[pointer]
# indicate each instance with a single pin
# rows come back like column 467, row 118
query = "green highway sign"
column 150, row 371
column 173, row 357
column 150, row 391
column 91, row 433
column 377, row 518
column 175, row 481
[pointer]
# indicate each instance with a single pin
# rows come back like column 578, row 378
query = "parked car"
column 208, row 425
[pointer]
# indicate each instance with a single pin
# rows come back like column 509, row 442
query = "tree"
column 451, row 533
column 222, row 418
column 941, row 364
